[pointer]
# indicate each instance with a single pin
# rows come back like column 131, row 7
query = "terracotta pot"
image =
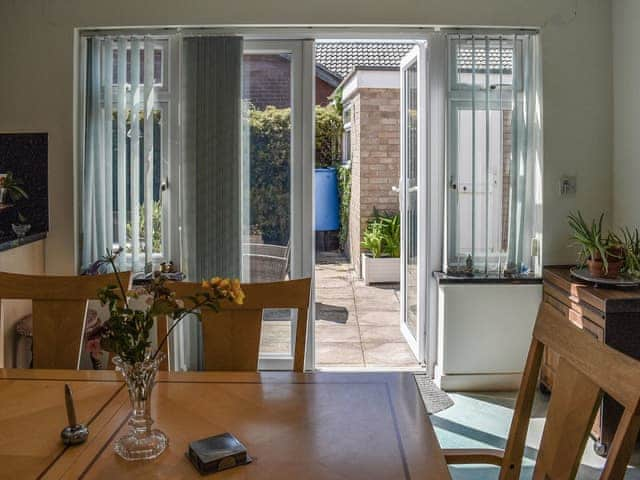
column 596, row 266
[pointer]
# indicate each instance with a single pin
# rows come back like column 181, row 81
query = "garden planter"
column 380, row 270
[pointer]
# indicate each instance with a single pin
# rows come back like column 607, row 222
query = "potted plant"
column 10, row 189
column 602, row 254
column 630, row 239
column 126, row 334
column 381, row 239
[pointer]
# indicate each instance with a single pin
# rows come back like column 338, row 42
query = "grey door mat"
column 435, row 400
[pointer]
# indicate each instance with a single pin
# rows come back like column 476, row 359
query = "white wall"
column 36, row 84
column 25, row 259
column 484, row 333
column 626, row 80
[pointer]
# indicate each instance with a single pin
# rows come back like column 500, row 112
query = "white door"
column 277, row 171
column 413, row 197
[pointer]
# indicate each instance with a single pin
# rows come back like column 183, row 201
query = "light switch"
column 568, row 185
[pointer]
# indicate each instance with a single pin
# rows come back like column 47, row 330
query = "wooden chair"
column 59, row 305
column 231, row 337
column 587, row 368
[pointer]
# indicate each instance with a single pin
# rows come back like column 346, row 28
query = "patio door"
column 277, row 169
column 413, row 198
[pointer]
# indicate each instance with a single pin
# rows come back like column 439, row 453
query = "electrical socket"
column 567, row 185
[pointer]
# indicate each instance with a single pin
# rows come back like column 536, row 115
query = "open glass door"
column 273, row 182
column 413, row 198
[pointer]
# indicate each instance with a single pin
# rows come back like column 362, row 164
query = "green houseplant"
column 11, row 189
column 602, row 253
column 630, row 240
column 381, row 240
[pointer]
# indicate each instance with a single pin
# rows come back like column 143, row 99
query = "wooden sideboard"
column 610, row 315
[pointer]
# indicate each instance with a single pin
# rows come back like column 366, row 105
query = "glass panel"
column 469, row 63
column 478, row 224
column 266, row 166
column 411, row 197
column 266, row 181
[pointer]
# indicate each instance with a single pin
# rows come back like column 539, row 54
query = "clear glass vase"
column 142, row 442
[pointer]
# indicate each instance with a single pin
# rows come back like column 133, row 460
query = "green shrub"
column 270, row 153
column 344, row 189
column 328, row 136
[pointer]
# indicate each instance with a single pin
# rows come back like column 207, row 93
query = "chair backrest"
column 231, row 337
column 266, row 262
column 59, row 305
column 587, row 369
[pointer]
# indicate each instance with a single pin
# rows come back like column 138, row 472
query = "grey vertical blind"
column 211, row 160
column 494, row 155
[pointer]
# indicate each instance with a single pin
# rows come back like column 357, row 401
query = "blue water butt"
column 327, row 200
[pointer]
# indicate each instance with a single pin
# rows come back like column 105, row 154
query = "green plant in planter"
column 12, row 186
column 594, row 245
column 382, row 236
column 373, row 239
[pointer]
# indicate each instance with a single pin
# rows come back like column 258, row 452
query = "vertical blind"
column 494, row 154
column 118, row 167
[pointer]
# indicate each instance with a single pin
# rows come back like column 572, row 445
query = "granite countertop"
column 8, row 244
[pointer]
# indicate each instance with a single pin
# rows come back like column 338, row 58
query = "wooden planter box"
column 380, row 270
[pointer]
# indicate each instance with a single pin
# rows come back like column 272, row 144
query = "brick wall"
column 270, row 82
column 375, row 165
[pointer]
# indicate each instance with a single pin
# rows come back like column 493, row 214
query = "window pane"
column 266, row 166
column 470, row 58
column 411, row 208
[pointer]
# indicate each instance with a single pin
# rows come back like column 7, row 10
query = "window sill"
column 492, row 279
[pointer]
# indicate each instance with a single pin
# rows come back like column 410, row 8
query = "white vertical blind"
column 494, row 153
column 117, row 101
column 135, row 148
column 148, row 148
column 122, row 141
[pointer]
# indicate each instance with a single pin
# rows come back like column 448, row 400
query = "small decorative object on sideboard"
column 126, row 334
column 22, row 227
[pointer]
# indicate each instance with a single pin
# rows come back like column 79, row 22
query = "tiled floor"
column 357, row 326
column 482, row 419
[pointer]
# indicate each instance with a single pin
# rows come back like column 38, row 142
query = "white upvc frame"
column 417, row 56
column 302, row 258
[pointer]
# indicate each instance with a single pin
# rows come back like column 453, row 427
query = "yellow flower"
column 206, row 284
column 215, row 281
column 224, row 284
column 236, row 292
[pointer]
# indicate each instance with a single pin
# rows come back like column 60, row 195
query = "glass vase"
column 142, row 442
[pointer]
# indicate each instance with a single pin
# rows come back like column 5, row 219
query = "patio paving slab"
column 357, row 316
column 338, row 333
column 386, row 334
column 388, row 355
column 339, row 354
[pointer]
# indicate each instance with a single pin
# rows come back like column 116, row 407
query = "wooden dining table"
column 331, row 426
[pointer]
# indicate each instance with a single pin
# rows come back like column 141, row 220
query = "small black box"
column 217, row 453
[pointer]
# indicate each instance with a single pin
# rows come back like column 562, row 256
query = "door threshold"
column 416, row 369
